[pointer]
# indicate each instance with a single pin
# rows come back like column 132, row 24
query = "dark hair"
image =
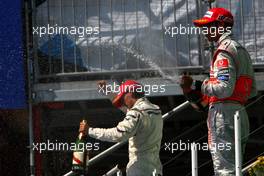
column 138, row 95
column 226, row 25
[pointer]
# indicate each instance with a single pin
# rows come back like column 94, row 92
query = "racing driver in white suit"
column 142, row 125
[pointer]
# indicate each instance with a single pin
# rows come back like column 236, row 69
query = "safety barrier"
column 135, row 24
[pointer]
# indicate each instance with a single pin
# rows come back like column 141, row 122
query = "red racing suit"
column 230, row 85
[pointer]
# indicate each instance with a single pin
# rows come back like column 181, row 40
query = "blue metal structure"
column 12, row 81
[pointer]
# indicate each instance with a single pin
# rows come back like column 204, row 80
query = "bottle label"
column 78, row 158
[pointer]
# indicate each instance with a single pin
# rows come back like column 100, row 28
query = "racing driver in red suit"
column 230, row 85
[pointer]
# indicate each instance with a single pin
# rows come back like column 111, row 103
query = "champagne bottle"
column 80, row 155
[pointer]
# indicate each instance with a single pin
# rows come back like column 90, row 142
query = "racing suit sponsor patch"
column 223, row 77
column 223, row 72
column 222, row 63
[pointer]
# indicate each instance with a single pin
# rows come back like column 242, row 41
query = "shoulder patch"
column 224, row 44
column 134, row 113
column 223, row 77
column 222, row 63
column 229, row 46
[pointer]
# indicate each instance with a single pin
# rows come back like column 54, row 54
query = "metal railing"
column 122, row 25
column 119, row 144
column 139, row 25
column 194, row 157
column 194, row 172
column 113, row 171
column 259, row 158
column 238, row 151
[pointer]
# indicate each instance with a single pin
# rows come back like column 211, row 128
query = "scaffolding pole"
column 29, row 85
column 238, row 151
column 194, row 160
column 69, row 173
column 113, row 171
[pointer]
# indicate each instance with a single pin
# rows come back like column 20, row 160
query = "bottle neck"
column 81, row 135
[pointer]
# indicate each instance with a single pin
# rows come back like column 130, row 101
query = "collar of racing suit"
column 138, row 101
column 223, row 37
column 125, row 109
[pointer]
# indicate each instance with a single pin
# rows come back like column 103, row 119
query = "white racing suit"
column 230, row 85
column 143, row 126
